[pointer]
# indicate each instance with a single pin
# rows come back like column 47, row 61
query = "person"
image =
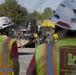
column 29, row 26
column 9, row 64
column 58, row 58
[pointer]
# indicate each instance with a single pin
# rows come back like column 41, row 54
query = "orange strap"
column 43, row 55
column 54, row 59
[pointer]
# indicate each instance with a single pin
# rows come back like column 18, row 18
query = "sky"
column 38, row 5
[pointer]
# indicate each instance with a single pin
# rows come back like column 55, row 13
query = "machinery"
column 46, row 33
column 31, row 33
column 25, row 35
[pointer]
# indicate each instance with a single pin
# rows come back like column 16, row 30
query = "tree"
column 11, row 9
column 47, row 13
column 34, row 15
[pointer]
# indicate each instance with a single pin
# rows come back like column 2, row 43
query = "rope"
column 22, row 3
column 40, row 5
column 29, row 5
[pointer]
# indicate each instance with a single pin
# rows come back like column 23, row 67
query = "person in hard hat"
column 58, row 58
column 9, row 64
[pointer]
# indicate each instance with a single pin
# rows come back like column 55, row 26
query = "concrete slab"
column 21, row 42
column 25, row 55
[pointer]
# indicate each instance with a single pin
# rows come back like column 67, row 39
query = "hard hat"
column 65, row 15
column 5, row 22
column 44, row 24
column 51, row 24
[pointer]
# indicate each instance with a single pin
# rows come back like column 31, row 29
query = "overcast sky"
column 38, row 5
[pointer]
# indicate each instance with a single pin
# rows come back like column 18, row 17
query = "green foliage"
column 11, row 9
column 19, row 14
column 41, row 16
column 47, row 13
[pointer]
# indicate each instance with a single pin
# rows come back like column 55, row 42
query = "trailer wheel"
column 37, row 42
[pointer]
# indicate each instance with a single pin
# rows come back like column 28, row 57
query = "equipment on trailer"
column 46, row 33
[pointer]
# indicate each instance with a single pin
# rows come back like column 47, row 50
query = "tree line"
column 19, row 14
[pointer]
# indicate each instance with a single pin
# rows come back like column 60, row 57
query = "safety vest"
column 5, row 60
column 56, row 58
